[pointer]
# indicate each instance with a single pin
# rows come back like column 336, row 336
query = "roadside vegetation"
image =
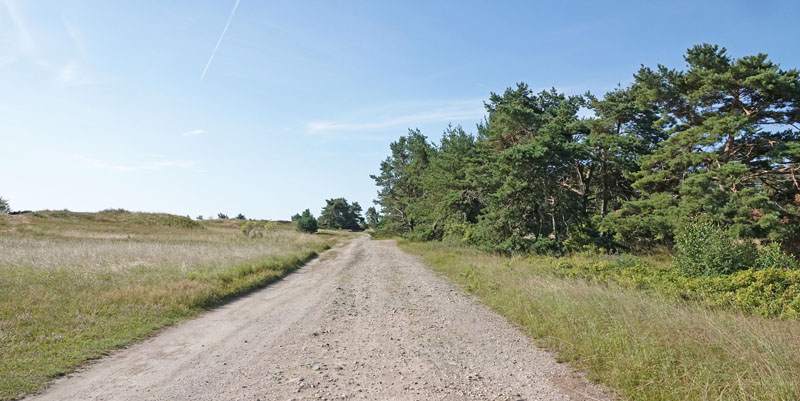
column 553, row 211
column 74, row 286
column 625, row 320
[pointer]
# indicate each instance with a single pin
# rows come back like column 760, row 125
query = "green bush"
column 4, row 206
column 547, row 246
column 772, row 257
column 252, row 228
column 626, row 261
column 509, row 246
column 770, row 292
column 707, row 250
column 307, row 223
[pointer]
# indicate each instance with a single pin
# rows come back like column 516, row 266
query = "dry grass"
column 647, row 346
column 74, row 286
column 85, row 254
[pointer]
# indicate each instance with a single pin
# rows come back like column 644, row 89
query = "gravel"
column 369, row 322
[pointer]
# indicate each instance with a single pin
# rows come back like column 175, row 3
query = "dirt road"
column 364, row 321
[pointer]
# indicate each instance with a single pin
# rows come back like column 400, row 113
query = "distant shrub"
column 422, row 234
column 252, row 229
column 118, row 210
column 509, row 246
column 153, row 219
column 222, row 216
column 547, row 246
column 307, row 223
column 589, row 250
column 200, row 217
column 4, row 206
column 627, row 261
column 772, row 257
column 240, row 217
column 296, row 217
column 707, row 250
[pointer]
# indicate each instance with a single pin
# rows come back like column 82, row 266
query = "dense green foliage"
column 716, row 143
column 706, row 250
column 5, row 207
column 771, row 291
column 372, row 217
column 339, row 214
column 306, row 222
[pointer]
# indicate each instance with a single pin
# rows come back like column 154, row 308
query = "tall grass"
column 74, row 286
column 647, row 345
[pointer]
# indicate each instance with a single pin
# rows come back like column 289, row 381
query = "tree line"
column 714, row 143
column 337, row 214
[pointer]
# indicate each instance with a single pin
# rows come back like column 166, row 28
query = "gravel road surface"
column 362, row 321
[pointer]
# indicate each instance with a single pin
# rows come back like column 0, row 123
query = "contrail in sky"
column 220, row 40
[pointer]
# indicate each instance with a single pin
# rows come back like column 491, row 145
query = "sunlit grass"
column 74, row 286
column 647, row 345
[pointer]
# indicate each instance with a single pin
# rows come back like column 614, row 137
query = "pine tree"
column 339, row 214
column 307, row 223
column 732, row 153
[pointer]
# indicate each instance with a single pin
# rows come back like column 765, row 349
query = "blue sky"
column 104, row 104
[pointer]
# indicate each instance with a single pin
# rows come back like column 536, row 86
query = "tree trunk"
column 553, row 220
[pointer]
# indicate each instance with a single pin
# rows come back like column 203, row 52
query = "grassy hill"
column 74, row 286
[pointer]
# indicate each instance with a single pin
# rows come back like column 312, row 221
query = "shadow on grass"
column 262, row 283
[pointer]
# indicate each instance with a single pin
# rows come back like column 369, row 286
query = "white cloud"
column 436, row 112
column 194, row 132
column 153, row 165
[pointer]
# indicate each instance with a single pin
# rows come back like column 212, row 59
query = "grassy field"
column 647, row 343
column 74, row 286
